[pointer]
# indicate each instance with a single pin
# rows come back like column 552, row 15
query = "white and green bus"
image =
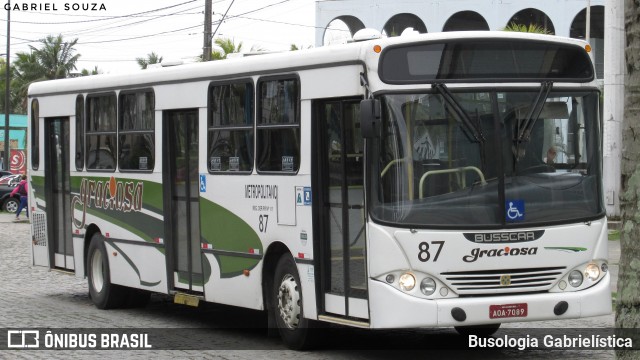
column 450, row 179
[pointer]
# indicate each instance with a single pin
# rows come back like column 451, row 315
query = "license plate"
column 507, row 311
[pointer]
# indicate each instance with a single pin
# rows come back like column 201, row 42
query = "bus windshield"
column 478, row 158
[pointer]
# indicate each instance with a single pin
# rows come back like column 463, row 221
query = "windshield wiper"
column 524, row 129
column 470, row 129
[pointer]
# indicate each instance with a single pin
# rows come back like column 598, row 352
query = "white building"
column 336, row 21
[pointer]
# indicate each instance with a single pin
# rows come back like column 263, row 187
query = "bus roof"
column 271, row 63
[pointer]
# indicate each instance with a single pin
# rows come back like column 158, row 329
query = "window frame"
column 212, row 128
column 298, row 124
column 80, row 125
column 35, row 134
column 119, row 131
column 100, row 132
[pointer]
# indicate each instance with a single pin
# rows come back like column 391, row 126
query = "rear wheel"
column 287, row 305
column 104, row 294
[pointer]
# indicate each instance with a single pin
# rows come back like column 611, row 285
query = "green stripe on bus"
column 227, row 231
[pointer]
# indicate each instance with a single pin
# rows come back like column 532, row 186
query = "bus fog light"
column 428, row 286
column 390, row 278
column 604, row 267
column 407, row 281
column 562, row 285
column 575, row 278
column 444, row 291
column 592, row 272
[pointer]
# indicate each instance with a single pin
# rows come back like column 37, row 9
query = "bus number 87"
column 262, row 223
column 424, row 253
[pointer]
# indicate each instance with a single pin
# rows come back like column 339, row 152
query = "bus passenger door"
column 58, row 196
column 181, row 196
column 339, row 208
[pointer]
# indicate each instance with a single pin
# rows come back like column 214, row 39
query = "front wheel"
column 11, row 205
column 104, row 294
column 287, row 305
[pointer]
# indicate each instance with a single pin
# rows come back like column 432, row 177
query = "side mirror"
column 370, row 118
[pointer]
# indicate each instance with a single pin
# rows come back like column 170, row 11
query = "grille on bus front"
column 503, row 280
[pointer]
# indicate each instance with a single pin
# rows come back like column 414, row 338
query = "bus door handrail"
column 457, row 171
column 391, row 163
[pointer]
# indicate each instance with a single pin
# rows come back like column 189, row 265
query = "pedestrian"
column 22, row 189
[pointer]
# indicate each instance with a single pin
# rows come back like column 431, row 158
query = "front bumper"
column 391, row 308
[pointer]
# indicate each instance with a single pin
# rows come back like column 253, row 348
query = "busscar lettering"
column 504, row 237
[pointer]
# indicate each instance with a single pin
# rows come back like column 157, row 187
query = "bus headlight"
column 575, row 278
column 428, row 286
column 407, row 281
column 592, row 272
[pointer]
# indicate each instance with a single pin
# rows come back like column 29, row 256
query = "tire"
column 103, row 293
column 479, row 330
column 10, row 205
column 286, row 297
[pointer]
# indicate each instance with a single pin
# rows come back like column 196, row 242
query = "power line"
column 138, row 37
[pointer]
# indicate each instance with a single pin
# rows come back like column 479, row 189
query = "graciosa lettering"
column 124, row 196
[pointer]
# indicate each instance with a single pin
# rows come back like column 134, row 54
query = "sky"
column 119, row 31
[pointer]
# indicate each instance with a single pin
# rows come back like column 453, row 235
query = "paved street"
column 33, row 297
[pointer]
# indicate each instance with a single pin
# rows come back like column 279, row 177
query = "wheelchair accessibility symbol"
column 514, row 210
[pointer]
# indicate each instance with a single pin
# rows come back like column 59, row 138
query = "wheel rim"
column 289, row 301
column 11, row 206
column 97, row 276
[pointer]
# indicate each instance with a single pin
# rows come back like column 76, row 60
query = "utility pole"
column 206, row 48
column 613, row 103
column 7, row 98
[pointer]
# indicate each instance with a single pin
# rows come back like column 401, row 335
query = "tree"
column 94, row 71
column 295, row 47
column 27, row 70
column 13, row 107
column 152, row 58
column 228, row 46
column 531, row 28
column 56, row 56
column 55, row 59
column 628, row 299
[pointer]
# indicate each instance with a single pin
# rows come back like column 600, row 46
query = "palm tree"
column 56, row 56
column 228, row 46
column 26, row 70
column 55, row 59
column 628, row 299
column 531, row 28
column 295, row 47
column 94, row 71
column 152, row 58
column 3, row 70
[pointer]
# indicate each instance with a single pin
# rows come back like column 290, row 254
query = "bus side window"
column 278, row 128
column 136, row 124
column 230, row 128
column 101, row 127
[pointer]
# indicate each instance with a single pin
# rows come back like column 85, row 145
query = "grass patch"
column 614, row 235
